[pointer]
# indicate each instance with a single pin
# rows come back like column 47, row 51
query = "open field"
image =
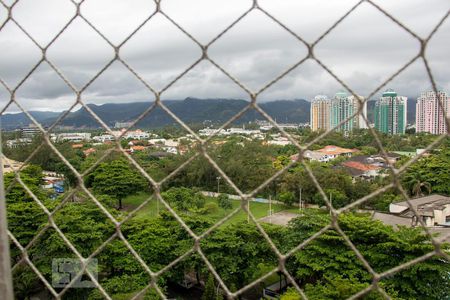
column 259, row 210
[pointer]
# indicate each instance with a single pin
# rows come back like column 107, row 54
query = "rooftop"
column 360, row 166
column 335, row 150
column 431, row 200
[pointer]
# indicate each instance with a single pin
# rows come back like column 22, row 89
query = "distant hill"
column 13, row 121
column 190, row 110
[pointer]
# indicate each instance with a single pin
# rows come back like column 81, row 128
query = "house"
column 335, row 151
column 392, row 157
column 137, row 148
column 135, row 135
column 89, row 151
column 53, row 180
column 358, row 169
column 18, row 142
column 77, row 146
column 280, row 141
column 169, row 149
column 365, row 166
column 312, row 155
column 103, row 138
column 433, row 210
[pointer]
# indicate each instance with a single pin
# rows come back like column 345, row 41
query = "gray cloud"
column 364, row 50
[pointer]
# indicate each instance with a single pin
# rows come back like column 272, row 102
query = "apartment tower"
column 430, row 116
column 390, row 113
column 320, row 113
column 343, row 107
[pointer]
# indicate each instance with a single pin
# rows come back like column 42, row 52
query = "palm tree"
column 417, row 184
column 419, row 187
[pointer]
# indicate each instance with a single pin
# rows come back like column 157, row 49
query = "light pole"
column 218, row 184
column 300, row 199
column 270, row 209
column 331, row 203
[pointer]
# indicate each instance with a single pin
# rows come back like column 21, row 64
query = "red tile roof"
column 359, row 166
column 138, row 148
column 77, row 146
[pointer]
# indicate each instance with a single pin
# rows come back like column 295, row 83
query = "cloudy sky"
column 364, row 50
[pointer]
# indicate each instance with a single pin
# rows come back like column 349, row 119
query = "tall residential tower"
column 390, row 113
column 430, row 116
column 343, row 107
column 320, row 113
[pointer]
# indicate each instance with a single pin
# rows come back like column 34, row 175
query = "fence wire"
column 245, row 198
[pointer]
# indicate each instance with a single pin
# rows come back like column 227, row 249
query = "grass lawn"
column 259, row 210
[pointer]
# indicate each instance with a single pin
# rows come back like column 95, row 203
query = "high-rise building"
column 390, row 113
column 320, row 113
column 430, row 116
column 343, row 107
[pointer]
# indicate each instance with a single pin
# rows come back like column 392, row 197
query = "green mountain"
column 190, row 110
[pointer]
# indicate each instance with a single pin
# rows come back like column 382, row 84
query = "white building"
column 103, row 138
column 433, row 210
column 230, row 131
column 30, row 131
column 279, row 141
column 18, row 142
column 74, row 137
column 136, row 135
column 313, row 155
column 123, row 124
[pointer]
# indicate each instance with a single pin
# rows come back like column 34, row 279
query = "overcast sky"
column 364, row 50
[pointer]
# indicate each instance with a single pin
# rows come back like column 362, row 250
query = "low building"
column 123, row 124
column 280, row 141
column 18, row 142
column 89, row 151
column 367, row 166
column 357, row 169
column 312, row 155
column 136, row 134
column 103, row 138
column 229, row 131
column 30, row 131
column 335, row 151
column 137, row 148
column 433, row 210
column 164, row 142
column 74, row 137
column 77, row 146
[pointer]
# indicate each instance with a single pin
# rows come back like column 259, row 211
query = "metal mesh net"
column 253, row 104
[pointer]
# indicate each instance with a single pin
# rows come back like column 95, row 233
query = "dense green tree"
column 236, row 251
column 329, row 179
column 224, row 201
column 25, row 216
column 381, row 245
column 429, row 174
column 184, row 199
column 116, row 179
column 209, row 291
column 287, row 197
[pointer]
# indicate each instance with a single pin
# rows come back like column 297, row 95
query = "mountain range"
column 190, row 110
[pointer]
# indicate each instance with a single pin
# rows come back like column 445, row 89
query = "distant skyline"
column 364, row 50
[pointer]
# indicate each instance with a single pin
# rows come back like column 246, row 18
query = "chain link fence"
column 5, row 278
